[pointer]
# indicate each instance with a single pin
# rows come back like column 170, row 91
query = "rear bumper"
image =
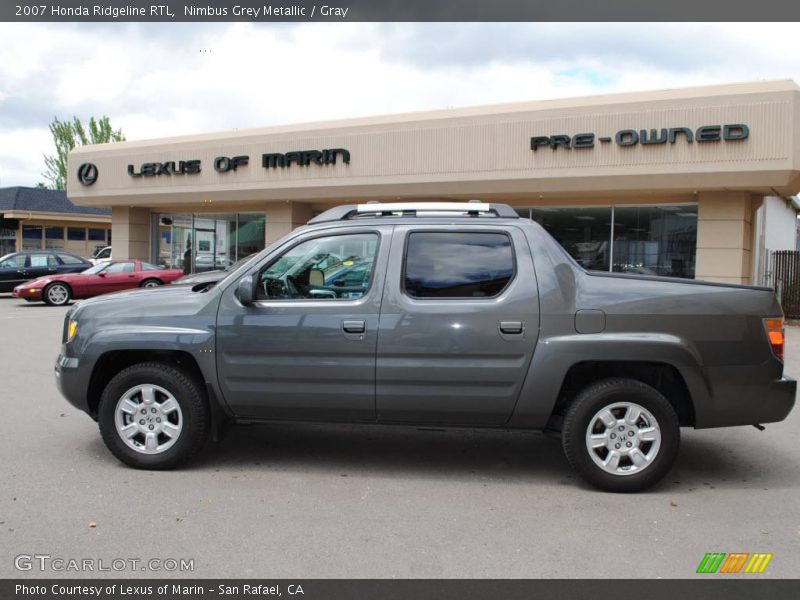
column 72, row 380
column 742, row 402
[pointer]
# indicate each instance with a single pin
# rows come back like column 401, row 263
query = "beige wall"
column 725, row 236
column 130, row 230
column 282, row 217
column 482, row 152
column 479, row 151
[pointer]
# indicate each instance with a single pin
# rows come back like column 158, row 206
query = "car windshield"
column 96, row 269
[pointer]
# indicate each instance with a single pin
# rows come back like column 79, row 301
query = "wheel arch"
column 662, row 376
column 112, row 362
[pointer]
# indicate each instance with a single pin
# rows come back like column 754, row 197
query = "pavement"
column 313, row 501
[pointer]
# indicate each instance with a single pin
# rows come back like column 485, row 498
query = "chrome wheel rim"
column 148, row 419
column 57, row 294
column 151, row 284
column 623, row 438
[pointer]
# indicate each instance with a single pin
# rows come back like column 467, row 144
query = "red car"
column 58, row 289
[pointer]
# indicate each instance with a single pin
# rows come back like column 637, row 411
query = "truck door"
column 458, row 326
column 305, row 349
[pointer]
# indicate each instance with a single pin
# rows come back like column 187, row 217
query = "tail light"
column 774, row 329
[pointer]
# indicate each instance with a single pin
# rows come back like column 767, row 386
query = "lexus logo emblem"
column 87, row 173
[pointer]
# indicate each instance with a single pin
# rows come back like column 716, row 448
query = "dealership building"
column 696, row 182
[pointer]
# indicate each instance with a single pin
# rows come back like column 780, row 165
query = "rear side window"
column 458, row 264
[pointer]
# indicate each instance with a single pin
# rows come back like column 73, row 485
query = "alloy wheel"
column 148, row 419
column 623, row 438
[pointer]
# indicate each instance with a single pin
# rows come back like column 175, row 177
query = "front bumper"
column 28, row 293
column 72, row 380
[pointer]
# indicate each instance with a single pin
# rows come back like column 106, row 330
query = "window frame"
column 282, row 252
column 407, row 243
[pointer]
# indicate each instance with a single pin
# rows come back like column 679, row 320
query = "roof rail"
column 407, row 209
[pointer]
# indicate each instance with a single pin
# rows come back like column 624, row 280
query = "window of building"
column 457, row 264
column 655, row 240
column 322, row 269
column 76, row 234
column 650, row 240
column 97, row 235
column 54, row 237
column 32, row 237
column 585, row 233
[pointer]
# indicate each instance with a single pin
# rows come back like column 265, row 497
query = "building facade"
column 38, row 219
column 666, row 183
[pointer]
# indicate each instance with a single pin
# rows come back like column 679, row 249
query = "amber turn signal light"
column 774, row 329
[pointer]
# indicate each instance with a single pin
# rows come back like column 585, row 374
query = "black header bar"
column 262, row 11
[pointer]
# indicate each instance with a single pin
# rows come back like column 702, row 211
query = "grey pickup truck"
column 430, row 314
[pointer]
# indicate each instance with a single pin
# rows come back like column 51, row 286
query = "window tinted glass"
column 13, row 262
column 68, row 259
column 97, row 235
column 149, row 267
column 43, row 260
column 76, row 234
column 328, row 268
column 458, row 265
column 121, row 267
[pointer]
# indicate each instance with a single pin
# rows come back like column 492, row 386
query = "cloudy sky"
column 155, row 80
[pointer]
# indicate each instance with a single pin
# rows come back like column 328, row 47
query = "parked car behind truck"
column 464, row 315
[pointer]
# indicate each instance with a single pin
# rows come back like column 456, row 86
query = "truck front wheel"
column 621, row 435
column 153, row 416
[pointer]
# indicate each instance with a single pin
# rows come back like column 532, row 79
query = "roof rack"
column 472, row 208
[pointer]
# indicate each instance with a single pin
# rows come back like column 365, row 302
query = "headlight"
column 72, row 329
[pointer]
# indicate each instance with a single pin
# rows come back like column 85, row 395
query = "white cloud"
column 188, row 78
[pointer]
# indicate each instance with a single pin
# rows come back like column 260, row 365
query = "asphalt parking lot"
column 316, row 501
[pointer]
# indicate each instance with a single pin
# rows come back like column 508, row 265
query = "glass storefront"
column 204, row 242
column 650, row 240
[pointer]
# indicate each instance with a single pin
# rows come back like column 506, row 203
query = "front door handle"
column 354, row 326
column 511, row 327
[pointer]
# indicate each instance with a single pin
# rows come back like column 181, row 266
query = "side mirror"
column 247, row 289
column 101, row 274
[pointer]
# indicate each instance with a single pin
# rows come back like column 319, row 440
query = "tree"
column 67, row 135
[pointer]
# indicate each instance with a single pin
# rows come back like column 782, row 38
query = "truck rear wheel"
column 621, row 435
column 153, row 416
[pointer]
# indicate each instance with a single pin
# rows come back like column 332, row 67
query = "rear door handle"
column 354, row 326
column 511, row 327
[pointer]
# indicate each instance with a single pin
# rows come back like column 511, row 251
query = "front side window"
column 15, row 261
column 457, row 264
column 326, row 268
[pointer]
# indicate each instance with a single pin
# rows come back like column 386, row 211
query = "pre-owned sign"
column 631, row 137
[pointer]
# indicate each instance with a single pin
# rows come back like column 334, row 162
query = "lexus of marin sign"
column 224, row 164
column 633, row 137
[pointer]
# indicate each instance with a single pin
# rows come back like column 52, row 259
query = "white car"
column 101, row 256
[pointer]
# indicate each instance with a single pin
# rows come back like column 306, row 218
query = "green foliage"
column 67, row 135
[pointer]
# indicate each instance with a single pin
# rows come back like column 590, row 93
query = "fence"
column 785, row 278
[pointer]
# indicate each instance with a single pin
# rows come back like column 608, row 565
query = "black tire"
column 63, row 298
column 193, row 408
column 151, row 283
column 582, row 411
